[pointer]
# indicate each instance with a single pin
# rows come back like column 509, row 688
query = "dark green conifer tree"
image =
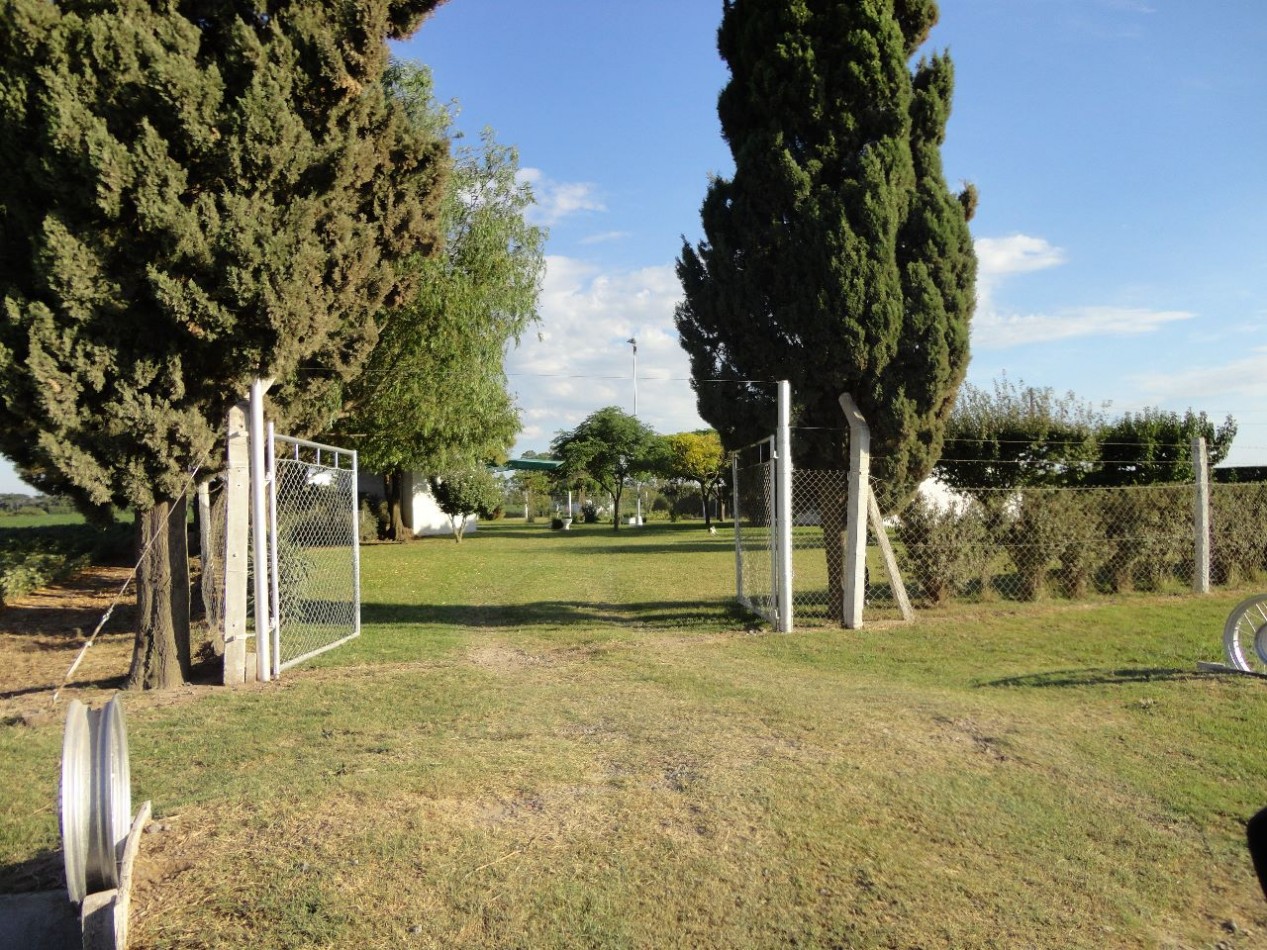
column 195, row 193
column 836, row 256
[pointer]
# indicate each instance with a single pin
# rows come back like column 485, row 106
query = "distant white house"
column 418, row 507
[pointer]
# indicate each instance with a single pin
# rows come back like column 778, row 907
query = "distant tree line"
column 1017, row 436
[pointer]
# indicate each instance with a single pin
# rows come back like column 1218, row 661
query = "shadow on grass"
column 44, row 872
column 1098, row 677
column 558, row 613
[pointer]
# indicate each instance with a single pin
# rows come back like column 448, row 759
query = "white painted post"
column 356, row 548
column 854, row 579
column 734, row 511
column 783, row 469
column 274, row 569
column 236, row 545
column 1201, row 516
column 259, row 533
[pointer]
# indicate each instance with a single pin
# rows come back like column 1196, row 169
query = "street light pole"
column 634, row 343
column 637, row 487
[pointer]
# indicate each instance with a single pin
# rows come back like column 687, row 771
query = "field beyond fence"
column 574, row 738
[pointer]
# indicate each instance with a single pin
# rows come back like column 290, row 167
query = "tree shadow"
column 105, row 683
column 46, row 871
column 59, row 626
column 1092, row 676
column 559, row 613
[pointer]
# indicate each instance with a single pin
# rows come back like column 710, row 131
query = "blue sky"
column 1118, row 147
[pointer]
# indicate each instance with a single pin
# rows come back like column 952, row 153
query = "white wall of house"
column 419, row 509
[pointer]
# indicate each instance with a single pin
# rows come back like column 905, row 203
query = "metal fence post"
column 783, row 509
column 1201, row 516
column 259, row 533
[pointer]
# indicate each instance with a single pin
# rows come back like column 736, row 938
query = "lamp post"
column 637, row 487
column 634, row 343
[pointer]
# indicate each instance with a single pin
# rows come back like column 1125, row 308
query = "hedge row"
column 1079, row 541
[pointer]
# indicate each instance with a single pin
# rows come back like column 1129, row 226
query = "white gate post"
column 734, row 511
column 854, row 579
column 236, row 546
column 259, row 533
column 783, row 469
column 1201, row 516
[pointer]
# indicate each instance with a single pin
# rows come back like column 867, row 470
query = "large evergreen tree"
column 434, row 394
column 836, row 256
column 195, row 193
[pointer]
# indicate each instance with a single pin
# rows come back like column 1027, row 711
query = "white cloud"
column 1016, row 254
column 605, row 237
column 1236, row 382
column 1001, row 258
column 555, row 200
column 580, row 360
column 997, row 331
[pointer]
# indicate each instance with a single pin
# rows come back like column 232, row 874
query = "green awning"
column 532, row 465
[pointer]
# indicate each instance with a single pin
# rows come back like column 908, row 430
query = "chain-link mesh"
column 818, row 522
column 754, row 473
column 1031, row 543
column 316, row 542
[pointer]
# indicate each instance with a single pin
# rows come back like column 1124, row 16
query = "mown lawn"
column 572, row 739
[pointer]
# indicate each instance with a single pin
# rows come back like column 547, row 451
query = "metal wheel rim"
column 1245, row 635
column 75, row 797
column 111, row 795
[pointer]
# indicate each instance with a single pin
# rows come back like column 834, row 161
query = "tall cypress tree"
column 835, row 257
column 195, row 193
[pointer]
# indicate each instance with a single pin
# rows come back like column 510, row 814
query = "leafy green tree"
column 1155, row 445
column 697, row 457
column 434, row 391
column 610, row 447
column 836, row 256
column 194, row 195
column 1016, row 435
column 465, row 491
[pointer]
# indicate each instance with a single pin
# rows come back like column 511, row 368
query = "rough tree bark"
column 161, row 658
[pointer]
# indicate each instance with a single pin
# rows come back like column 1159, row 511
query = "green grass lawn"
column 549, row 739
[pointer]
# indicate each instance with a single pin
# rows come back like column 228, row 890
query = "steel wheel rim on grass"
column 76, row 798
column 1245, row 635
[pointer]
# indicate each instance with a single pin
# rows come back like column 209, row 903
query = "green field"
column 549, row 739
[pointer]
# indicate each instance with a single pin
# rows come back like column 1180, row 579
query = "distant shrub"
column 33, row 557
column 945, row 549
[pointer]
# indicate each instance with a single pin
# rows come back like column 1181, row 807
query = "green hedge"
column 33, row 557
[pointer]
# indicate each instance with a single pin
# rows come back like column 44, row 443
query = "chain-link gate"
column 313, row 552
column 314, row 547
column 756, row 574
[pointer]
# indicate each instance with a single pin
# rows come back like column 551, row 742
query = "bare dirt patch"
column 42, row 632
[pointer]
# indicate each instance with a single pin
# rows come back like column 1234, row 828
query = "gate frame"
column 275, row 625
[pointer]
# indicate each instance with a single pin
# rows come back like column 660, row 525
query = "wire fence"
column 994, row 544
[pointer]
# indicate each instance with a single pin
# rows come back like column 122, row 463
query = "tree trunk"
column 394, row 485
column 616, row 509
column 160, row 655
column 703, row 497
